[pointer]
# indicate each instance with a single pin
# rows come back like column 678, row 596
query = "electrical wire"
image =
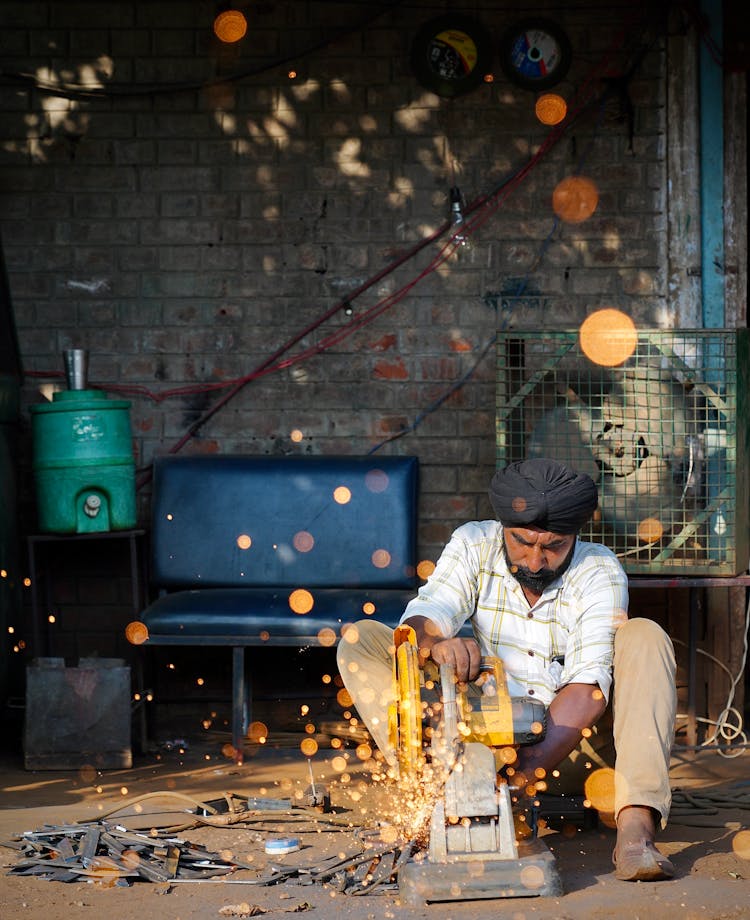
column 698, row 808
column 700, row 22
column 728, row 726
column 482, row 207
column 438, row 402
column 459, row 237
column 127, row 91
column 235, row 811
column 476, row 213
column 83, row 92
column 274, row 363
column 268, row 364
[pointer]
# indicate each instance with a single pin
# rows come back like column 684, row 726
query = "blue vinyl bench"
column 237, row 541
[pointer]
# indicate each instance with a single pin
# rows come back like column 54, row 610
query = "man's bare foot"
column 635, row 857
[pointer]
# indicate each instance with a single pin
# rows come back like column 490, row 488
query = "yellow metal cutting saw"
column 474, row 850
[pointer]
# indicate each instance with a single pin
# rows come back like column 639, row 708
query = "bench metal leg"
column 240, row 703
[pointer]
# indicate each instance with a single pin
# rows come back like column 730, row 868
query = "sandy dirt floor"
column 709, row 850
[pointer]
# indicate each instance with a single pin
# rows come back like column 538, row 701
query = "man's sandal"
column 641, row 862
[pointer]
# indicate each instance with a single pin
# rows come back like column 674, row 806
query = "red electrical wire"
column 484, row 207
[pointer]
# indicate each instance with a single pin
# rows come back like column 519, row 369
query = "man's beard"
column 537, row 581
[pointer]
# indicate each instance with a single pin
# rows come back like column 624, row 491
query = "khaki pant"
column 636, row 730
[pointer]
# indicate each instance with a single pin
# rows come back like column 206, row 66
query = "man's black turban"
column 543, row 493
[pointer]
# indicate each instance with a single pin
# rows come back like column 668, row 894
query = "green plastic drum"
column 84, row 469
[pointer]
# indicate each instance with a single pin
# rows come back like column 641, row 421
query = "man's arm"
column 575, row 708
column 462, row 653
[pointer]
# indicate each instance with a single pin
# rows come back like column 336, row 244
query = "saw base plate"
column 482, row 875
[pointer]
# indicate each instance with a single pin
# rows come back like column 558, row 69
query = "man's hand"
column 462, row 653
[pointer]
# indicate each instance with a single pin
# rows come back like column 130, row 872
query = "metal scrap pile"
column 376, row 869
column 109, row 853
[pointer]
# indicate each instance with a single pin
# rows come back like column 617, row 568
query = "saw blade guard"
column 405, row 710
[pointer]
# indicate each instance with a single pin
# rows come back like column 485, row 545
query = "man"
column 554, row 609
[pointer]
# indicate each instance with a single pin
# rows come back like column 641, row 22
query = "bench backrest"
column 301, row 521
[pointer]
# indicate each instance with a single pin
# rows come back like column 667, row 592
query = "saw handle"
column 491, row 677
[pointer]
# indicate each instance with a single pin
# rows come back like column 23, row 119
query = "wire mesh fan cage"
column 664, row 435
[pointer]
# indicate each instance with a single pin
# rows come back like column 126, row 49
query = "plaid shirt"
column 575, row 618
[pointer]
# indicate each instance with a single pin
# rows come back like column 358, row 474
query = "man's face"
column 537, row 557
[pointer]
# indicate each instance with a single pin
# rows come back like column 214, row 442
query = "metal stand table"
column 40, row 546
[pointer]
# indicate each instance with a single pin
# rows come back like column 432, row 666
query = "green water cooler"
column 83, row 464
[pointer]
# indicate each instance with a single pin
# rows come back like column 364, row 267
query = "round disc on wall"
column 535, row 53
column 451, row 54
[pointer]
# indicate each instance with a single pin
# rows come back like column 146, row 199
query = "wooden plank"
column 682, row 163
column 735, row 200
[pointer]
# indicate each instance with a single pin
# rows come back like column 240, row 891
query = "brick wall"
column 183, row 236
column 205, row 209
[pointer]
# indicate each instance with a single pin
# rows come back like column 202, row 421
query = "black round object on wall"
column 451, row 54
column 535, row 53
